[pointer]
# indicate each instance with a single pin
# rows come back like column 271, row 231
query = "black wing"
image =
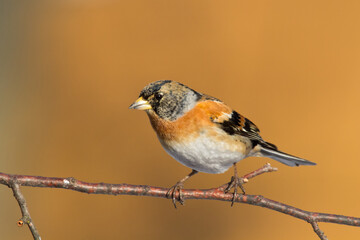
column 238, row 124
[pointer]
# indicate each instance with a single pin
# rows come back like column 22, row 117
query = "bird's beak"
column 140, row 104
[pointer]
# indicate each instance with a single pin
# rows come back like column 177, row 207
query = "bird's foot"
column 172, row 193
column 178, row 188
column 236, row 182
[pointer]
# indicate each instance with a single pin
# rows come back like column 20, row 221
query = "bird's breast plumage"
column 196, row 141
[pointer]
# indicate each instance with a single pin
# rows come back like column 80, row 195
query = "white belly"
column 205, row 154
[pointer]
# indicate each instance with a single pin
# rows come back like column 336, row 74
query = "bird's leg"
column 178, row 187
column 235, row 183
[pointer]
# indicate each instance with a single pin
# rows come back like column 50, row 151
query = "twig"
column 210, row 194
column 26, row 218
column 317, row 230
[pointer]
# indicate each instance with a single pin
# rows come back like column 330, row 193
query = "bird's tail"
column 271, row 151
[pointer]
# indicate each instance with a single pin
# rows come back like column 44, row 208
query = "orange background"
column 70, row 69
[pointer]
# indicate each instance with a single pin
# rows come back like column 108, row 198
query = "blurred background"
column 70, row 69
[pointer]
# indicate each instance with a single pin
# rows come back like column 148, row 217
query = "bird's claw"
column 172, row 193
column 235, row 182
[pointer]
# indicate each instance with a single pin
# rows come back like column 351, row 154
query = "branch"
column 24, row 210
column 13, row 181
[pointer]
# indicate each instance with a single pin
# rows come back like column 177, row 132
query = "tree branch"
column 24, row 210
column 14, row 181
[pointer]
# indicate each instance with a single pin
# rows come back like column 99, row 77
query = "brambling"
column 203, row 133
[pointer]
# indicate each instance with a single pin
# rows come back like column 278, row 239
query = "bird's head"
column 168, row 99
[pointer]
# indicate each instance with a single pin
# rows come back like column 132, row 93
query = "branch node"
column 69, row 182
column 269, row 168
column 259, row 198
column 20, row 223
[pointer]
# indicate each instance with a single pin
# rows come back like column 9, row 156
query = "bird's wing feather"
column 236, row 124
column 232, row 122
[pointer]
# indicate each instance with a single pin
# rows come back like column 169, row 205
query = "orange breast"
column 191, row 123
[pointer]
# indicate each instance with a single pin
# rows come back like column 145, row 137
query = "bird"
column 203, row 133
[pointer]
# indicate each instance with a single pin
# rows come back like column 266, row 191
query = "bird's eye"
column 158, row 96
